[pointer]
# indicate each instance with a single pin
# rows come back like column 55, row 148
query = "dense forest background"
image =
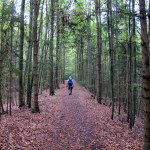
column 98, row 43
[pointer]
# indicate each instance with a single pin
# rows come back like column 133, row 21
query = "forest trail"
column 68, row 122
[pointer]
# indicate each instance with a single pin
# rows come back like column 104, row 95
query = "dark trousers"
column 70, row 89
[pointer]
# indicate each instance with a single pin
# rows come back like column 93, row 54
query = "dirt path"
column 67, row 122
column 74, row 124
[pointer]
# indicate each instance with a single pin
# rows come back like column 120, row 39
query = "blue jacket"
column 70, row 81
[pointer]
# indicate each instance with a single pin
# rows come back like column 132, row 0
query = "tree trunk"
column 41, row 23
column 149, row 22
column 57, row 47
column 1, row 57
column 10, row 68
column 63, row 59
column 21, row 101
column 1, row 73
column 29, row 63
column 81, row 68
column 89, row 65
column 134, row 66
column 51, row 84
column 111, row 36
column 35, row 56
column 99, row 51
column 146, row 74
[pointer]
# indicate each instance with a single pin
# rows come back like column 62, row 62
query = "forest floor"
column 68, row 122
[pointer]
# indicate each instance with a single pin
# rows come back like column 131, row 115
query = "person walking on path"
column 70, row 85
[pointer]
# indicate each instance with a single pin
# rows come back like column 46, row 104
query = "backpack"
column 70, row 82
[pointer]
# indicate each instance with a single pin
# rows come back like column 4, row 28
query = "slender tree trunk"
column 35, row 57
column 1, row 57
column 130, row 102
column 149, row 22
column 57, row 47
column 110, row 36
column 10, row 71
column 29, row 65
column 41, row 22
column 1, row 72
column 63, row 60
column 51, row 84
column 76, row 67
column 78, row 62
column 99, row 51
column 1, row 28
column 79, row 59
column 64, row 64
column 89, row 48
column 126, row 67
column 21, row 101
column 134, row 66
column 119, row 96
column 81, row 70
column 44, row 52
column 146, row 74
column 0, row 84
column 43, row 61
column 130, row 69
column 89, row 71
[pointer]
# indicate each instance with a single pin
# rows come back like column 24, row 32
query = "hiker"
column 70, row 85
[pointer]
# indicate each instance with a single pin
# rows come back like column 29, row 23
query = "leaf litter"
column 68, row 122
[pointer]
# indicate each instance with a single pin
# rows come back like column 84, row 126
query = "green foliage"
column 83, row 83
column 33, row 111
column 70, row 70
column 5, row 27
column 136, row 85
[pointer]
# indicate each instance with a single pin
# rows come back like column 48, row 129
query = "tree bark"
column 51, row 84
column 21, row 101
column 111, row 37
column 134, row 66
column 29, row 63
column 149, row 23
column 1, row 73
column 89, row 65
column 146, row 74
column 57, row 47
column 44, row 52
column 99, row 51
column 1, row 57
column 35, row 56
column 11, row 65
column 63, row 63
